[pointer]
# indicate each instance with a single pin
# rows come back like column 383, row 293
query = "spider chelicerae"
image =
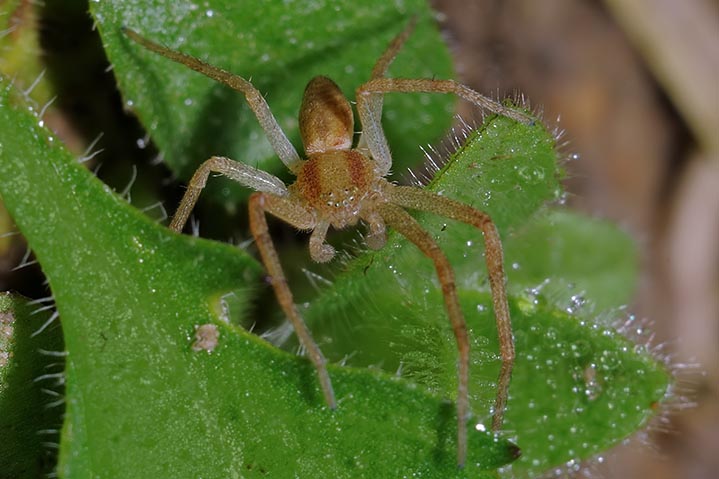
column 339, row 185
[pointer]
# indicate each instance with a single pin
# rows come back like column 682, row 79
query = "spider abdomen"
column 335, row 184
column 326, row 121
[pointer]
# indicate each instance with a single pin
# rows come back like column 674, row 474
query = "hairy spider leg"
column 280, row 144
column 372, row 124
column 295, row 215
column 417, row 199
column 270, row 198
column 373, row 135
column 401, row 221
column 242, row 173
column 380, row 70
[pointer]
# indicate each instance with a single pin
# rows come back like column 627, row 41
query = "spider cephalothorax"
column 338, row 185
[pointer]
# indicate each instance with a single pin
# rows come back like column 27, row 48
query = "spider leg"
column 401, row 221
column 380, row 69
column 242, row 173
column 372, row 124
column 255, row 100
column 383, row 62
column 296, row 215
column 415, row 198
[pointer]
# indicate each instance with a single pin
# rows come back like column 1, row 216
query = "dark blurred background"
column 635, row 86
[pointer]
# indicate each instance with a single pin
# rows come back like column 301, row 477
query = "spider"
column 338, row 186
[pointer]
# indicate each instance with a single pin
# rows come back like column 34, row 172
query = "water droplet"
column 526, row 173
column 551, row 334
column 576, row 302
column 592, row 386
column 610, row 361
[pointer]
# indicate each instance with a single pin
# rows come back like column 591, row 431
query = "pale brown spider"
column 337, row 186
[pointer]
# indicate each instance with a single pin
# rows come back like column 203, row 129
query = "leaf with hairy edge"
column 578, row 386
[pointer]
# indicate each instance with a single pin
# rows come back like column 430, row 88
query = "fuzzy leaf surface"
column 578, row 386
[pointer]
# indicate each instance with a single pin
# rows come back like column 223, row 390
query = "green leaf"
column 280, row 46
column 30, row 388
column 578, row 387
column 142, row 403
column 573, row 259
